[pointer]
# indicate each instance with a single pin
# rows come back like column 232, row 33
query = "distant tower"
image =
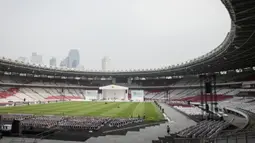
column 23, row 59
column 53, row 62
column 106, row 63
column 73, row 58
column 36, row 59
column 65, row 62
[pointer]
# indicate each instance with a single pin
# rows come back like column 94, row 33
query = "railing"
column 246, row 137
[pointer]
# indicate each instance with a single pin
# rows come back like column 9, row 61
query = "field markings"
column 103, row 108
column 57, row 109
column 122, row 108
column 77, row 106
column 129, row 111
column 85, row 109
column 21, row 108
column 111, row 109
column 29, row 109
column 139, row 110
column 152, row 112
column 66, row 109
column 42, row 108
column 157, row 110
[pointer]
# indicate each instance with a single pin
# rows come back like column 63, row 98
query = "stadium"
column 209, row 99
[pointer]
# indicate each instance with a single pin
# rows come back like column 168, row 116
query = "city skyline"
column 36, row 58
column 105, row 61
column 137, row 34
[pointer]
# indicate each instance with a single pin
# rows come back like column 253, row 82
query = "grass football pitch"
column 111, row 109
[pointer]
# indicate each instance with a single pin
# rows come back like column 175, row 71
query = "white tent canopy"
column 114, row 92
column 113, row 87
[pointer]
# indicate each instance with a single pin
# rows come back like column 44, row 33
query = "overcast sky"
column 133, row 33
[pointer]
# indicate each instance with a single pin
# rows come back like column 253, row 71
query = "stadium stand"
column 232, row 61
column 204, row 129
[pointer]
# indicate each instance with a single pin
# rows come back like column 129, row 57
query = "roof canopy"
column 114, row 87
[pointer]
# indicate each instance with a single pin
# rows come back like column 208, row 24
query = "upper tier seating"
column 198, row 98
column 192, row 95
column 239, row 102
column 154, row 95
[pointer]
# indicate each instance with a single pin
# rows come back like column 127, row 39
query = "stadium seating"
column 204, row 129
column 198, row 98
column 39, row 94
column 154, row 95
column 32, row 122
column 40, row 122
column 8, row 94
column 189, row 110
column 239, row 102
column 10, row 117
column 63, row 97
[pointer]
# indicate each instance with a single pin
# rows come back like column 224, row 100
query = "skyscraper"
column 23, row 59
column 106, row 63
column 64, row 63
column 53, row 62
column 73, row 58
column 36, row 59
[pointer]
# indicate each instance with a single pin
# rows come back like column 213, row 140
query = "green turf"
column 126, row 109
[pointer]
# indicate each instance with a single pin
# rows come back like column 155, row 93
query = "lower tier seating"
column 204, row 129
column 30, row 122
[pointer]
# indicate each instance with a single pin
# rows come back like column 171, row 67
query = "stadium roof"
column 237, row 51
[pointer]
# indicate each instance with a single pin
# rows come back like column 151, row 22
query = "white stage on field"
column 113, row 93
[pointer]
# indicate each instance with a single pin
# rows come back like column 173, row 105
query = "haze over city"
column 133, row 33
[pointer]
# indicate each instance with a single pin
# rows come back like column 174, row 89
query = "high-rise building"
column 36, row 59
column 73, row 58
column 53, row 62
column 23, row 59
column 64, row 63
column 106, row 63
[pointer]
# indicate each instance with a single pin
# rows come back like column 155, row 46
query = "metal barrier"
column 247, row 137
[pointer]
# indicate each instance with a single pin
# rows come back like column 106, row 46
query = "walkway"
column 237, row 121
column 146, row 135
